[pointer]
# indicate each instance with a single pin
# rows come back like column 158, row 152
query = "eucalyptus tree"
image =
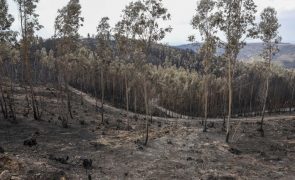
column 130, row 79
column 6, row 20
column 7, row 36
column 81, row 69
column 104, row 53
column 29, row 25
column 67, row 24
column 269, row 34
column 143, row 19
column 237, row 22
column 205, row 22
column 126, row 51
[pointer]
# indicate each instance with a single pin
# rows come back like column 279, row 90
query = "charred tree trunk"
column 229, row 99
column 102, row 95
column 206, row 103
column 127, row 100
column 135, row 101
column 3, row 104
column 266, row 93
column 146, row 112
column 264, row 106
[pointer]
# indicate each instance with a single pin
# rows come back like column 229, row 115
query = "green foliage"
column 269, row 34
column 236, row 19
column 67, row 24
column 104, row 49
column 6, row 20
column 141, row 21
column 29, row 18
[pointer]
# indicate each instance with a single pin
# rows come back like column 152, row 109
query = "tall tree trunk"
column 292, row 99
column 127, row 100
column 229, row 99
column 102, row 95
column 224, row 110
column 27, row 74
column 251, row 98
column 95, row 90
column 266, row 92
column 206, row 103
column 135, row 101
column 69, row 105
column 264, row 106
column 3, row 103
column 146, row 112
column 81, row 88
column 113, row 96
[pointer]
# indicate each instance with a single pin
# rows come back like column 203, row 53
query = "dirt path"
column 91, row 100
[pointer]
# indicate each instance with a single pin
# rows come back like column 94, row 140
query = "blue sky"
column 181, row 11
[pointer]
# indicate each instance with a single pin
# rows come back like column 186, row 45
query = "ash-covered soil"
column 176, row 150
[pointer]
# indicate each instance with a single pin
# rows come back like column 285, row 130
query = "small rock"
column 82, row 122
column 107, row 122
column 211, row 177
column 199, row 161
column 274, row 158
column 235, row 151
column 60, row 175
column 30, row 142
column 129, row 128
column 64, row 124
column 211, row 125
column 159, row 124
column 167, row 132
column 140, row 147
column 137, row 141
column 97, row 145
column 59, row 159
column 87, row 163
column 1, row 150
column 189, row 159
column 169, row 142
column 291, row 137
column 262, row 154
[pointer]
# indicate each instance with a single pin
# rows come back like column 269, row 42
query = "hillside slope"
column 177, row 149
column 252, row 51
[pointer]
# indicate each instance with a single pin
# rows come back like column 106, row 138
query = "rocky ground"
column 177, row 149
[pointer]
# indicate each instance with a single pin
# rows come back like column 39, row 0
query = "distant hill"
column 252, row 51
